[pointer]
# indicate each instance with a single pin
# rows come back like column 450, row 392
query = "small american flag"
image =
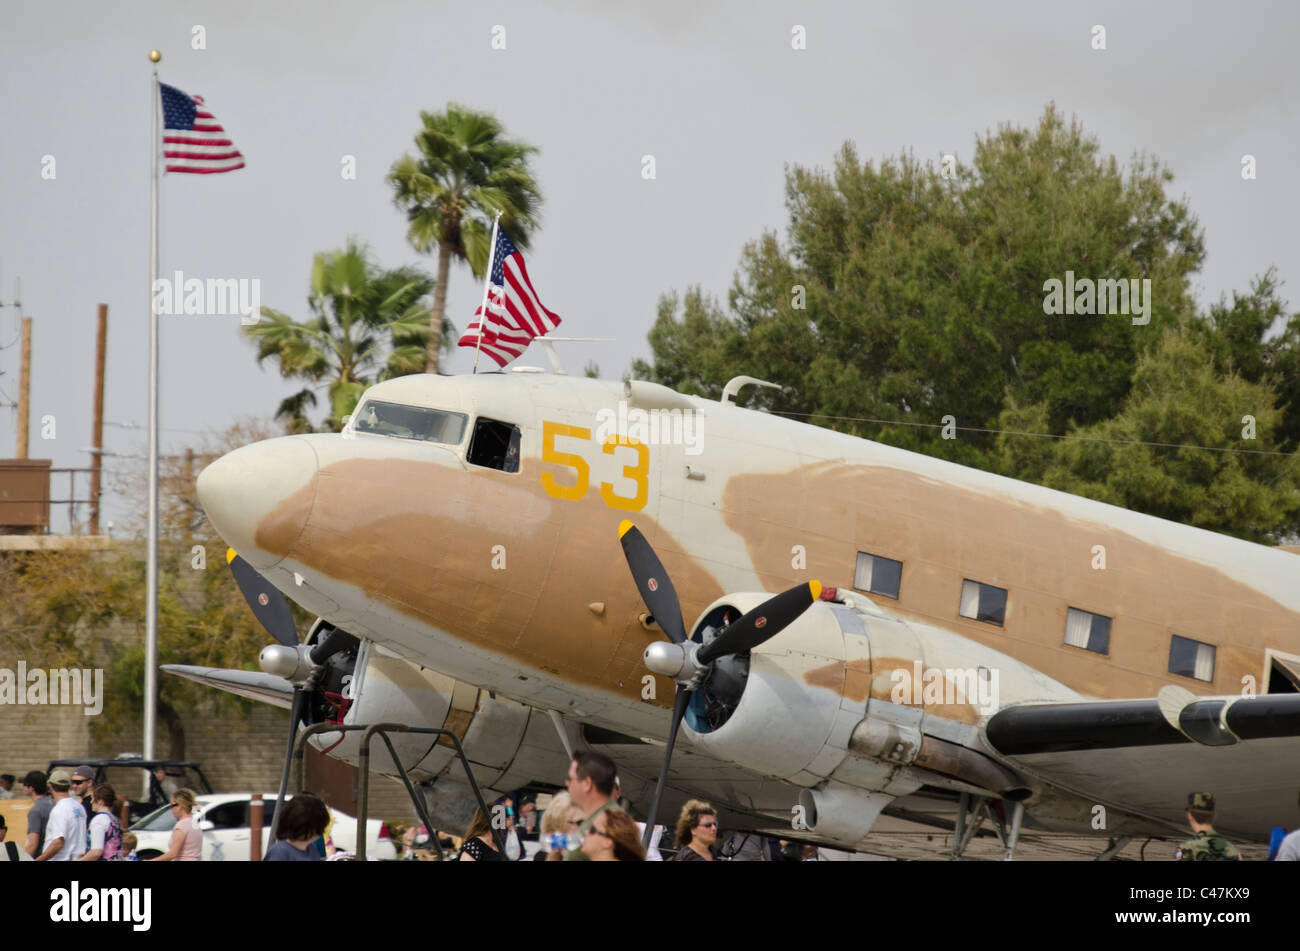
column 514, row 314
column 193, row 140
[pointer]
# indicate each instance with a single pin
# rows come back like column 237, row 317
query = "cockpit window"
column 495, row 445
column 410, row 422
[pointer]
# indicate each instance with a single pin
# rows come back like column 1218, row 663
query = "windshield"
column 160, row 820
column 410, row 422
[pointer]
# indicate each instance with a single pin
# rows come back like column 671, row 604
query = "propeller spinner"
column 688, row 663
column 298, row 663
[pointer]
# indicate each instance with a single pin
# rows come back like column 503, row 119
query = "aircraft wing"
column 252, row 684
column 1144, row 756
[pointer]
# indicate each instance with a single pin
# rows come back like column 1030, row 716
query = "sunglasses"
column 708, row 825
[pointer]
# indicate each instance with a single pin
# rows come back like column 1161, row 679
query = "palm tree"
column 466, row 172
column 358, row 312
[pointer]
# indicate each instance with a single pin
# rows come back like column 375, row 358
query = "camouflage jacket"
column 1207, row 847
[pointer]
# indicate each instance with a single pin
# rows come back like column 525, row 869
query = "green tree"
column 905, row 291
column 1255, row 337
column 86, row 608
column 1147, row 458
column 465, row 173
column 366, row 325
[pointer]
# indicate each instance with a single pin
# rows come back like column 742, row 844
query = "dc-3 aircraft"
column 502, row 555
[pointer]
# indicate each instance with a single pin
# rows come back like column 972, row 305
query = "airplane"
column 501, row 554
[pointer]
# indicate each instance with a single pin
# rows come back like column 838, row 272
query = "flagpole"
column 487, row 281
column 151, row 567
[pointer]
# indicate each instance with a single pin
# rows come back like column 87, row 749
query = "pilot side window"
column 410, row 422
column 1087, row 630
column 494, row 445
column 877, row 575
column 1189, row 658
column 983, row 602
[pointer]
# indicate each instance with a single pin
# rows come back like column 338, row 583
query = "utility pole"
column 25, row 388
column 97, row 457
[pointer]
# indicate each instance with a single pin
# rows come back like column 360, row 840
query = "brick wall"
column 237, row 754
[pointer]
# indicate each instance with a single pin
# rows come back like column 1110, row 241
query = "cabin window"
column 410, row 422
column 983, row 602
column 495, row 445
column 1189, row 658
column 877, row 575
column 1087, row 630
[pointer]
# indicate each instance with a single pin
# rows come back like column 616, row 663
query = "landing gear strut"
column 971, row 817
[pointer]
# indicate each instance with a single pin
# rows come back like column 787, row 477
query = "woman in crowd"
column 562, row 817
column 187, row 838
column 303, row 821
column 104, row 829
column 697, row 830
column 613, row 837
column 479, row 846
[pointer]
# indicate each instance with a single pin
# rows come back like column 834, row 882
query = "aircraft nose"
column 240, row 490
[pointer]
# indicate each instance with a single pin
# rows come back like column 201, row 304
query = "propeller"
column 306, row 667
column 722, row 662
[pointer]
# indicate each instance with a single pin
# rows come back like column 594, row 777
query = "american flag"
column 193, row 140
column 514, row 315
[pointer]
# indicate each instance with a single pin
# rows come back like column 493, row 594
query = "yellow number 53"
column 637, row 472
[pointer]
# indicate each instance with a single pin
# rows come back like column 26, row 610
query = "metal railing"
column 48, row 503
column 363, row 768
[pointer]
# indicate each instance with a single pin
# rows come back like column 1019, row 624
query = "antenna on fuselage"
column 554, row 357
column 736, row 383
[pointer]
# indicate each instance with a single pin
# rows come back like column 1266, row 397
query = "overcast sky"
column 714, row 91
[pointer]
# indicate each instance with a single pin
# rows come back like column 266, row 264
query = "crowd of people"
column 73, row 820
column 591, row 821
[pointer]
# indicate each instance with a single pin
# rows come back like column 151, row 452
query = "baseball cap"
column 85, row 772
column 60, row 777
column 1201, row 800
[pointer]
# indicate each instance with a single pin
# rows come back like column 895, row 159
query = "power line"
column 1014, row 432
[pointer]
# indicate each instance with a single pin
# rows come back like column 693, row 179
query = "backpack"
column 112, row 838
column 12, row 849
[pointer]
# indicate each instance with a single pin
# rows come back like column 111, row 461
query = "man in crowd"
column 65, row 833
column 83, row 779
column 9, row 851
column 591, row 787
column 1205, row 845
column 7, row 786
column 39, row 814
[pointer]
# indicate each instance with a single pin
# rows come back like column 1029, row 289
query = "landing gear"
column 1113, row 848
column 971, row 816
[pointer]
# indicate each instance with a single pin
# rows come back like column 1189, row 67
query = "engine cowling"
column 780, row 711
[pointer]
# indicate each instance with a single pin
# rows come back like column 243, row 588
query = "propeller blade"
column 652, row 581
column 269, row 606
column 765, row 621
column 295, row 714
column 679, row 711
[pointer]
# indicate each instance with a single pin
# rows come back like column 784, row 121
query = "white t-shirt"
column 100, row 823
column 1289, row 850
column 67, row 819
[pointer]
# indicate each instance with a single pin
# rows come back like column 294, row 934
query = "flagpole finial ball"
column 154, row 56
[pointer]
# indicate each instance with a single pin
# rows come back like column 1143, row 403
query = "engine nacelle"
column 502, row 739
column 790, row 722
